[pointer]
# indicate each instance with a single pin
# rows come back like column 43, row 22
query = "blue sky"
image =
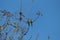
column 48, row 24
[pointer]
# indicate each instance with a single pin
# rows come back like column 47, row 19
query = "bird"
column 30, row 22
column 20, row 13
column 20, row 16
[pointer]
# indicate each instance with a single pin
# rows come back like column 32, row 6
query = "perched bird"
column 21, row 16
column 30, row 22
column 20, row 13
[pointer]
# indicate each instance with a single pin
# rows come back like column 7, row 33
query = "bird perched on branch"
column 31, row 21
column 21, row 16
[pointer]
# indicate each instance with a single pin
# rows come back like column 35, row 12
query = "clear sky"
column 48, row 24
